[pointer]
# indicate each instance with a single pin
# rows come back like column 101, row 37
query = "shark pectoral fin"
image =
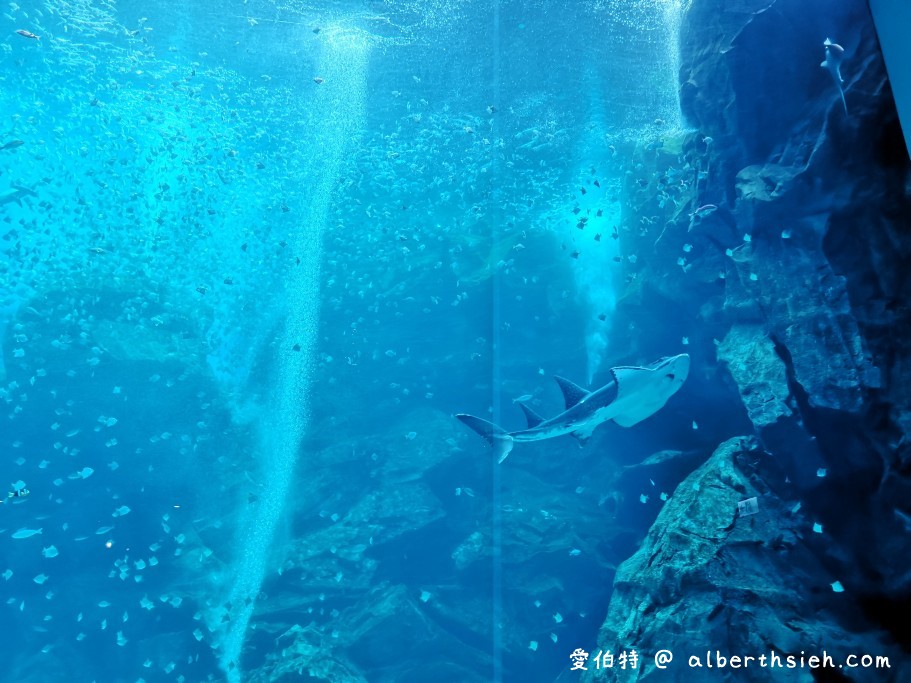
column 572, row 393
column 637, row 392
column 531, row 416
column 582, row 437
column 632, row 417
column 632, row 380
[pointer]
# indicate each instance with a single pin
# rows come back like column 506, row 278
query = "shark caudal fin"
column 499, row 439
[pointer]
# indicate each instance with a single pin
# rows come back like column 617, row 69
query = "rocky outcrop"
column 395, row 537
column 792, row 228
column 389, row 614
column 711, row 578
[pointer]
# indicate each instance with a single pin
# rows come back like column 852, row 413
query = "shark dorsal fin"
column 572, row 393
column 531, row 416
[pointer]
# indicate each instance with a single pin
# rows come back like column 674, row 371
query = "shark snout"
column 678, row 368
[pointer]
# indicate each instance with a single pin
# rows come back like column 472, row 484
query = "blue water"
column 256, row 256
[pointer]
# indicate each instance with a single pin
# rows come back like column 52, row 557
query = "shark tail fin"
column 498, row 438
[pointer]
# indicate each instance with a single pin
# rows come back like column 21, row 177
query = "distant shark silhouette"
column 15, row 194
column 633, row 394
column 835, row 55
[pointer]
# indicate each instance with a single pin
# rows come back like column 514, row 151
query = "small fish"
column 27, row 533
column 703, row 211
column 41, row 578
column 28, row 34
column 84, row 473
column 50, row 551
column 12, row 144
column 523, row 398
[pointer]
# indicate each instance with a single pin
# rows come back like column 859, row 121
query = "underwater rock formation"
column 795, row 243
column 387, row 550
column 709, row 578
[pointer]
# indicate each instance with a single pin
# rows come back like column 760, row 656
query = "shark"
column 15, row 194
column 632, row 395
column 835, row 55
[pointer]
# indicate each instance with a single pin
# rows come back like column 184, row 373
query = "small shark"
column 835, row 55
column 633, row 394
column 15, row 194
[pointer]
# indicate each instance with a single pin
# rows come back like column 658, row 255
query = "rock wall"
column 708, row 578
column 794, row 235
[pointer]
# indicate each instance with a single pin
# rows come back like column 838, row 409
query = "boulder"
column 711, row 578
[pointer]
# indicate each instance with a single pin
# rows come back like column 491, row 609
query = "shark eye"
column 670, row 376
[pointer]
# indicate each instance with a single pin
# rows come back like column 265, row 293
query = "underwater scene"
column 455, row 341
